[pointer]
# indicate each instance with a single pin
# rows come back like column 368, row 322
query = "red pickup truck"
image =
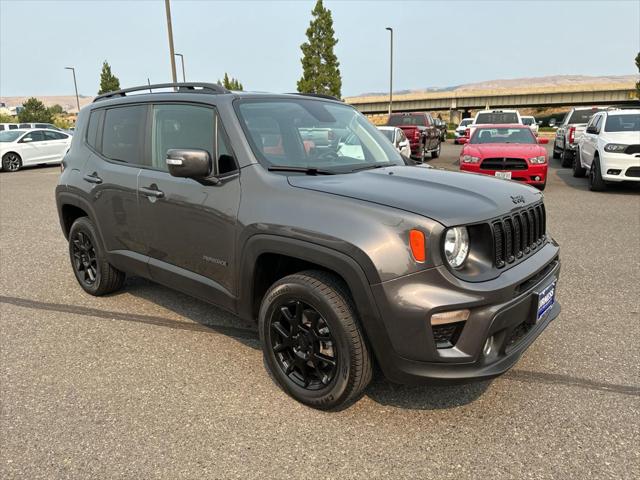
column 422, row 132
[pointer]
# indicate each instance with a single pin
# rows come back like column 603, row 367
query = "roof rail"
column 317, row 95
column 623, row 107
column 178, row 87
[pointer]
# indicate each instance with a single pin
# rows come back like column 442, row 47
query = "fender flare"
column 338, row 262
column 64, row 198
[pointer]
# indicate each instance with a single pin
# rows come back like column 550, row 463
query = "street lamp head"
column 68, row 68
column 389, row 28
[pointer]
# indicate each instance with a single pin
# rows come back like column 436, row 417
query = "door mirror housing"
column 593, row 130
column 543, row 141
column 189, row 163
column 463, row 140
column 26, row 140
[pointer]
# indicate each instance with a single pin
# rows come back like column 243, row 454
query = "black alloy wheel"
column 11, row 162
column 85, row 262
column 303, row 345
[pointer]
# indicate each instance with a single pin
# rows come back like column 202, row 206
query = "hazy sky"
column 437, row 43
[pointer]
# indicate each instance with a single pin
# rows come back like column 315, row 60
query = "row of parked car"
column 603, row 142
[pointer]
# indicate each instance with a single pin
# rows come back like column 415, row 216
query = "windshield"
column 497, row 117
column 388, row 134
column 407, row 119
column 623, row 123
column 583, row 116
column 10, row 135
column 305, row 133
column 527, row 120
column 503, row 135
column 465, row 122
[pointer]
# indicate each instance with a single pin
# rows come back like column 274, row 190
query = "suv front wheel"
column 90, row 266
column 313, row 346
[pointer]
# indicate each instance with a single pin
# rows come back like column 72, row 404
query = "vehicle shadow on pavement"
column 424, row 397
column 566, row 175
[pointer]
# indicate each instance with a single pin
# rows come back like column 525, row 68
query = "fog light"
column 613, row 171
column 488, row 346
column 536, row 178
column 449, row 317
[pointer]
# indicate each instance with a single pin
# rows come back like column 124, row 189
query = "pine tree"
column 320, row 72
column 230, row 83
column 108, row 81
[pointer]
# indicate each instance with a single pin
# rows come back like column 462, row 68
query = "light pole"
column 167, row 8
column 390, row 69
column 184, row 78
column 75, row 84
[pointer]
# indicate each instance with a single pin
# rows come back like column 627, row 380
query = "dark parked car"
column 344, row 259
column 422, row 132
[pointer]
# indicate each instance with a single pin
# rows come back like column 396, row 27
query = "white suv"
column 610, row 148
column 493, row 117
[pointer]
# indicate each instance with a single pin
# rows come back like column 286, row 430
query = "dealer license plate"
column 506, row 175
column 546, row 298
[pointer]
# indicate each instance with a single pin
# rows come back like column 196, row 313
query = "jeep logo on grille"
column 517, row 199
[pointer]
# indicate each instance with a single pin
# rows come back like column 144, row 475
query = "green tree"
column 320, row 72
column 56, row 109
column 33, row 110
column 4, row 118
column 230, row 83
column 108, row 81
column 638, row 83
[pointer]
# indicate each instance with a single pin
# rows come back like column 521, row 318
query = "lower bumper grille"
column 504, row 164
column 518, row 334
column 447, row 335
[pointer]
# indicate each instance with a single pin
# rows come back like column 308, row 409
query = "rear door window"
column 124, row 134
column 36, row 136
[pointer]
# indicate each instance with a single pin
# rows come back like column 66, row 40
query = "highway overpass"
column 460, row 100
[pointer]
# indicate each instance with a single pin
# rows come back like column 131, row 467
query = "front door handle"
column 152, row 192
column 93, row 178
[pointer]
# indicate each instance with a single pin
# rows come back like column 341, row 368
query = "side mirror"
column 552, row 122
column 26, row 140
column 593, row 130
column 189, row 163
column 463, row 140
column 543, row 141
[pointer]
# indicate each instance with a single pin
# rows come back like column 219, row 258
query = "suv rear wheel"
column 313, row 346
column 94, row 274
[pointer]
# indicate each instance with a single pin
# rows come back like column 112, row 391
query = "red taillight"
column 417, row 243
column 572, row 134
column 416, row 134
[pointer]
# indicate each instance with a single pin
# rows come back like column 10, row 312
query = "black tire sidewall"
column 84, row 225
column 3, row 160
column 334, row 393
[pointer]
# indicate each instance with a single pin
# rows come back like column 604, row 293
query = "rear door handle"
column 151, row 192
column 93, row 178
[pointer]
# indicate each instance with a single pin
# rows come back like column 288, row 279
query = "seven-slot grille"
column 518, row 234
column 504, row 164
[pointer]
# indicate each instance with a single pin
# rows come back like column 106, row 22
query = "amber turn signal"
column 418, row 247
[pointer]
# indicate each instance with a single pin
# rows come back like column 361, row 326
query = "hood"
column 626, row 138
column 451, row 198
column 509, row 150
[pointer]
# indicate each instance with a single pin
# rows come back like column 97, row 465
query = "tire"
column 542, row 187
column 422, row 153
column 94, row 273
column 596, row 183
column 567, row 158
column 11, row 162
column 436, row 153
column 578, row 170
column 556, row 153
column 327, row 374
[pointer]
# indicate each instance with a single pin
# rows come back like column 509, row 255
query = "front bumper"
column 504, row 308
column 534, row 175
column 627, row 165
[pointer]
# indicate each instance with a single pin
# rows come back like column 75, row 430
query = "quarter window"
column 123, row 134
column 95, row 120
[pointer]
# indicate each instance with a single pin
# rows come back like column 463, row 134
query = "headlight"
column 615, row 147
column 470, row 159
column 456, row 246
column 540, row 159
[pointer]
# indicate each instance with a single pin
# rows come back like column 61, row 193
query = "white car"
column 19, row 148
column 495, row 117
column 398, row 138
column 461, row 129
column 609, row 149
column 531, row 123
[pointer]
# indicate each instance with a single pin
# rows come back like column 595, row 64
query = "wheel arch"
column 70, row 208
column 267, row 258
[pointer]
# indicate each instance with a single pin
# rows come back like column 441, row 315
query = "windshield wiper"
column 375, row 165
column 306, row 170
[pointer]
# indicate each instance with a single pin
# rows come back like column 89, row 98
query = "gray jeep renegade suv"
column 296, row 211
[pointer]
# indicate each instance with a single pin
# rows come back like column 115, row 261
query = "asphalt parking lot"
column 149, row 383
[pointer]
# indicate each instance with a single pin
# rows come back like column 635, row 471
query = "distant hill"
column 67, row 102
column 551, row 82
